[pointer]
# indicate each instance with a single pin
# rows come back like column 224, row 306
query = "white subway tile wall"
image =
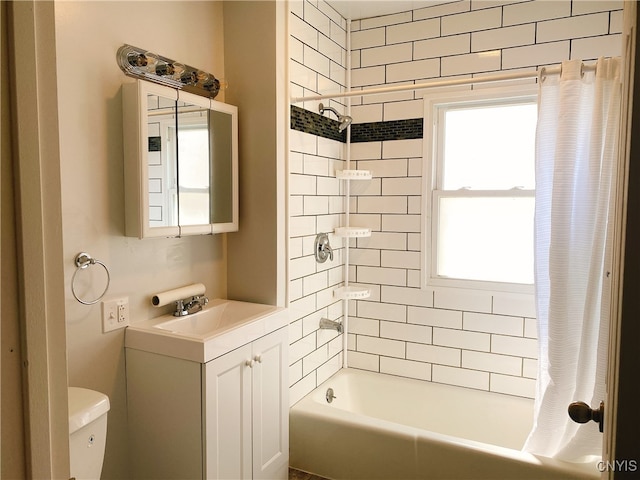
column 476, row 339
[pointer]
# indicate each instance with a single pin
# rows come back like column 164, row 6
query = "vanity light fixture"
column 139, row 63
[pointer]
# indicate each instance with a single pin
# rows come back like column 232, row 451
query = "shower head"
column 345, row 120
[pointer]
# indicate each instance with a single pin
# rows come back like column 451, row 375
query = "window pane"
column 489, row 147
column 486, row 238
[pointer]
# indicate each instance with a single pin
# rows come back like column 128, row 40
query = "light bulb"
column 152, row 62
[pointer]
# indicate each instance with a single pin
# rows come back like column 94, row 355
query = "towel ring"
column 84, row 260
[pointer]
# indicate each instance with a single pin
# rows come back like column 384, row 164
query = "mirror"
column 181, row 164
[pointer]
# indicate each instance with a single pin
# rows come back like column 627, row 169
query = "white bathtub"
column 386, row 427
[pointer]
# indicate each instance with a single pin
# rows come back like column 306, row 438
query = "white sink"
column 221, row 326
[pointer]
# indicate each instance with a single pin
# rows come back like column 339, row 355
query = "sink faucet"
column 190, row 305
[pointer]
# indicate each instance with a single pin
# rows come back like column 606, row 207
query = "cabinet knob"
column 258, row 358
column 249, row 363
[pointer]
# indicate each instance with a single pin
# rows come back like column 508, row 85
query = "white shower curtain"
column 576, row 151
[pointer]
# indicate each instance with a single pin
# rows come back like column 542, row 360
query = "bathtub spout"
column 327, row 324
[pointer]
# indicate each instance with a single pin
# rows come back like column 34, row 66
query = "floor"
column 300, row 475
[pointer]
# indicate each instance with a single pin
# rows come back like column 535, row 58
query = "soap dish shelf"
column 352, row 232
column 351, row 293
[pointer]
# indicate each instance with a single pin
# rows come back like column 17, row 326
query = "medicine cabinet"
column 181, row 162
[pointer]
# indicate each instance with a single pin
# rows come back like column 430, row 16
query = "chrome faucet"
column 188, row 306
column 322, row 248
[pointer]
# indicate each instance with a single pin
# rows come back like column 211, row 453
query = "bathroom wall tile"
column 414, row 278
column 407, row 296
column 380, row 346
column 543, row 54
column 302, row 347
column 472, row 63
column 402, row 186
column 382, row 311
column 616, row 22
column 416, row 30
column 303, row 76
column 515, row 304
column 523, row 347
column 471, row 21
column 535, row 11
column 502, row 324
column 330, row 148
column 295, row 289
column 385, row 168
column 372, row 221
column 328, row 186
column 442, row 46
column 382, row 204
column 338, row 35
column 405, row 368
column 314, row 283
column 295, row 330
column 367, row 76
column 302, row 307
column 302, row 185
column 299, row 226
column 402, row 148
column 401, row 223
column 461, row 339
column 302, row 388
column 441, row 10
column 316, row 61
column 316, row 205
column 595, row 47
column 373, row 37
column 296, row 207
column 530, row 328
column 387, row 276
column 366, row 151
column 435, row 317
column 315, row 359
column 491, row 362
column 434, row 354
column 362, row 256
column 302, row 266
column 402, row 110
column 573, row 27
column 364, row 326
column 522, row 387
column 413, row 70
column 304, row 32
column 467, row 300
column 580, row 8
column 296, row 50
column 399, row 259
column 405, row 332
column 326, row 370
column 316, row 18
column 460, row 377
column 327, row 223
column 529, row 368
column 363, row 361
column 414, row 240
column 385, row 55
column 295, row 372
column 504, row 37
column 393, row 19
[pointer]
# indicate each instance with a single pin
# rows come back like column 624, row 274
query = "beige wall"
column 88, row 35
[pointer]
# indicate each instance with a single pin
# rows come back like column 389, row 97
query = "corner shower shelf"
column 353, row 174
column 351, row 293
column 352, row 232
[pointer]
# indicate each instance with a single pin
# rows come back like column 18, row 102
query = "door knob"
column 580, row 412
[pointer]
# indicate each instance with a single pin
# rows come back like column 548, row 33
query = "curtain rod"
column 498, row 77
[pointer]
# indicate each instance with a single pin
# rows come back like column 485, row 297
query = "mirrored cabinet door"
column 181, row 163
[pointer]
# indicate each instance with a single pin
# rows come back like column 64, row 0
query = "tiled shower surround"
column 477, row 339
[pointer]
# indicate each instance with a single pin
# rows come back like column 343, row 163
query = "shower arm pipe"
column 498, row 77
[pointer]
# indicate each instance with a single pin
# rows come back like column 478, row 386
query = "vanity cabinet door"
column 227, row 413
column 270, row 406
column 247, row 411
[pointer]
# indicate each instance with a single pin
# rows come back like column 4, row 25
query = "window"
column 479, row 188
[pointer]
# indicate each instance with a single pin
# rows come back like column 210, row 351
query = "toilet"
column 87, row 432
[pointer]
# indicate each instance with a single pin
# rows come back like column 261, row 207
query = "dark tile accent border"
column 316, row 124
column 309, row 122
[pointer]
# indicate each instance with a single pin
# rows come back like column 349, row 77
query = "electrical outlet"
column 115, row 314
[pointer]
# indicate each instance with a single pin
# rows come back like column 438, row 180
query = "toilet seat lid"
column 85, row 406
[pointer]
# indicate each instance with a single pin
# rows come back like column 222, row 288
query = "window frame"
column 435, row 106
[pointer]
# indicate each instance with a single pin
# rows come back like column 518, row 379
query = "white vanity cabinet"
column 223, row 419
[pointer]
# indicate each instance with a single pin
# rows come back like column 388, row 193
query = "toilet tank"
column 87, row 432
